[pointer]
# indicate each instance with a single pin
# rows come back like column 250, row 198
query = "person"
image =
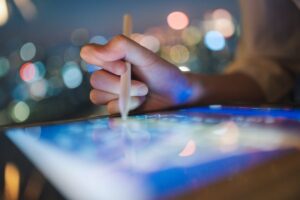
column 264, row 68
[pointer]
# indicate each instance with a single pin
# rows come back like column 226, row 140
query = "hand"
column 157, row 84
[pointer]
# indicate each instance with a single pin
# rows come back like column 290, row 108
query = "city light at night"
column 223, row 22
column 27, row 72
column 178, row 20
column 20, row 112
column 3, row 12
column 72, row 75
column 27, row 51
column 150, row 42
column 184, row 68
column 214, row 40
column 179, row 54
column 27, row 9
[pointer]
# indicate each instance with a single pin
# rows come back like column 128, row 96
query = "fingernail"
column 142, row 90
column 134, row 103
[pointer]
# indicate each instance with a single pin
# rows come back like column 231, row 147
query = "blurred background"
column 42, row 77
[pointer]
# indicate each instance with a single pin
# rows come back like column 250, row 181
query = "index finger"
column 90, row 54
column 119, row 48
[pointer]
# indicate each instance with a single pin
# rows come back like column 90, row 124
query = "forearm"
column 225, row 88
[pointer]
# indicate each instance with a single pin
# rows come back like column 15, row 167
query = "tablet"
column 158, row 155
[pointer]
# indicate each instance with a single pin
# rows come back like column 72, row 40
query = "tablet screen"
column 155, row 155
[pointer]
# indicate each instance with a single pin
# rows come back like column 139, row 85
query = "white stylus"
column 124, row 98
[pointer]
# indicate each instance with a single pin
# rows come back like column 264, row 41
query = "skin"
column 158, row 84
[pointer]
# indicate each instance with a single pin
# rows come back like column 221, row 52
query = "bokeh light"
column 12, row 179
column 27, row 51
column 30, row 72
column 20, row 92
column 72, row 75
column 27, row 72
column 4, row 15
column 178, row 20
column 20, row 112
column 137, row 37
column 40, row 70
column 79, row 36
column 98, row 39
column 221, row 14
column 220, row 20
column 89, row 67
column 38, row 89
column 223, row 23
column 27, row 9
column 4, row 66
column 179, row 54
column 189, row 149
column 191, row 36
column 224, row 26
column 150, row 42
column 214, row 40
column 184, row 68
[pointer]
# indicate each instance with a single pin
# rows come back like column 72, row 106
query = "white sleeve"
column 269, row 48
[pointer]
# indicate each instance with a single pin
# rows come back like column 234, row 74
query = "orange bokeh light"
column 223, row 22
column 178, row 20
column 221, row 14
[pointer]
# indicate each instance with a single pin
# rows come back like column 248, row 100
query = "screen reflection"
column 151, row 155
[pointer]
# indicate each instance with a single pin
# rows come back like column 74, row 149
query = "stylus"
column 124, row 97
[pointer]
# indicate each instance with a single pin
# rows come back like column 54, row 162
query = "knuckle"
column 119, row 38
column 84, row 51
column 93, row 79
column 112, row 107
column 119, row 41
column 93, row 97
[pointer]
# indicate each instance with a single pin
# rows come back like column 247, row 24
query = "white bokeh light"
column 72, row 75
column 4, row 15
column 27, row 51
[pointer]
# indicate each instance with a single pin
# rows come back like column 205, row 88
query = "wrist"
column 195, row 87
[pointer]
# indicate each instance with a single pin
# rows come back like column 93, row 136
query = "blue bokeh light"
column 72, row 76
column 214, row 40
